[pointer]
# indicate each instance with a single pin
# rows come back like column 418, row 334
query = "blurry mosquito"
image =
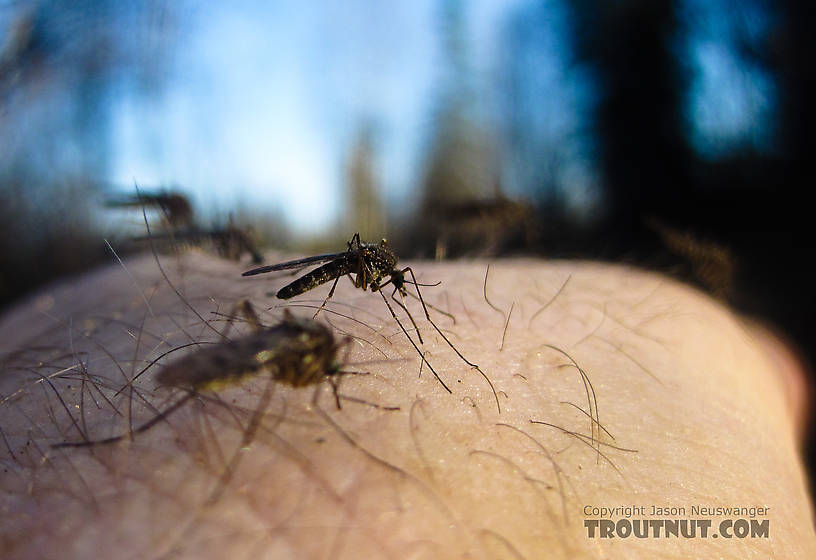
column 230, row 242
column 174, row 207
column 371, row 263
column 297, row 352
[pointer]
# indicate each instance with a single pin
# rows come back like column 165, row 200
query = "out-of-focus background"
column 667, row 133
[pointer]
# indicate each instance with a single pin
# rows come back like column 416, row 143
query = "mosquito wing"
column 297, row 263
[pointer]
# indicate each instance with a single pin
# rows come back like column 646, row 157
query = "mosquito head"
column 398, row 279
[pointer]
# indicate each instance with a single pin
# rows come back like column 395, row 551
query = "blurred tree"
column 752, row 200
column 463, row 164
column 365, row 213
column 643, row 152
column 792, row 45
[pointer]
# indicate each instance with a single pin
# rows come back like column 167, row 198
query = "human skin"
column 704, row 408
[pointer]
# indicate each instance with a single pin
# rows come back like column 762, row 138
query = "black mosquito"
column 371, row 263
column 176, row 209
column 229, row 242
column 298, row 352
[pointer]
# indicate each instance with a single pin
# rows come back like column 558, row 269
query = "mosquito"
column 230, row 242
column 297, row 352
column 174, row 206
column 375, row 267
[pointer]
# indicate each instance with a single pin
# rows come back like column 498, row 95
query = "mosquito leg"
column 421, row 354
column 411, row 317
column 361, row 281
column 371, row 404
column 440, row 311
column 245, row 308
column 246, row 440
column 428, row 317
column 458, row 353
column 248, row 311
column 347, row 342
column 328, row 297
column 397, row 286
column 335, row 383
column 354, row 245
column 143, row 428
column 416, row 287
column 403, row 474
column 364, row 273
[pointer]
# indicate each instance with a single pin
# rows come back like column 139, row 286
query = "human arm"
column 691, row 395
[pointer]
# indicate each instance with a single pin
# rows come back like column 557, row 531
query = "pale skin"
column 705, row 408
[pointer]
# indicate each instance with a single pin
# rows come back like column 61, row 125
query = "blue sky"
column 262, row 101
column 262, row 104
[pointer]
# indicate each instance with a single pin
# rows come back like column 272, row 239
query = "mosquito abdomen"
column 320, row 275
